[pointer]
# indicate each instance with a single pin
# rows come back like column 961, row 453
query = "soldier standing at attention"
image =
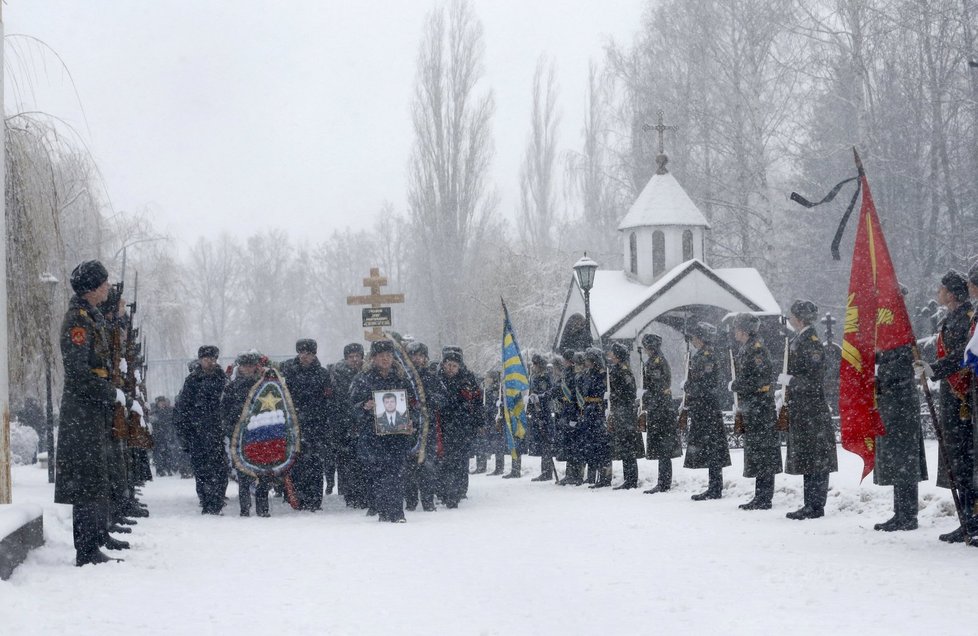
column 663, row 441
column 762, row 444
column 626, row 439
column 706, row 443
column 958, row 452
column 811, row 438
column 86, row 414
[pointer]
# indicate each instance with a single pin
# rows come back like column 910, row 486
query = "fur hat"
column 381, row 346
column 306, row 345
column 451, row 354
column 248, row 357
column 704, row 331
column 804, row 310
column 620, row 351
column 353, row 347
column 955, row 283
column 88, row 276
column 417, row 349
column 538, row 360
column 568, row 355
column 595, row 355
column 208, row 351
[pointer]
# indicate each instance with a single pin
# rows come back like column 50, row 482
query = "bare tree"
column 449, row 198
column 538, row 198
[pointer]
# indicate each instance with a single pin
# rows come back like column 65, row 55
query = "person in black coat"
column 247, row 373
column 811, row 436
column 595, row 441
column 663, row 441
column 568, row 415
column 626, row 439
column 87, row 405
column 166, row 446
column 420, row 479
column 492, row 421
column 344, row 430
column 762, row 443
column 956, row 461
column 540, row 418
column 460, row 415
column 198, row 414
column 312, row 391
column 383, row 454
column 706, row 442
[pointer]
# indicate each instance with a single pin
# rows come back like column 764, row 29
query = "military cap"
column 88, row 276
column 651, row 341
column 208, row 351
column 417, row 349
column 568, row 355
column 955, row 283
column 248, row 357
column 578, row 357
column 595, row 355
column 451, row 354
column 620, row 351
column 748, row 323
column 538, row 360
column 704, row 331
column 381, row 346
column 306, row 345
column 804, row 310
column 353, row 347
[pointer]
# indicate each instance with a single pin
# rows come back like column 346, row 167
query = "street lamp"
column 584, row 270
column 50, row 282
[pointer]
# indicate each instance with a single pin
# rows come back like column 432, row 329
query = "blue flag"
column 514, row 385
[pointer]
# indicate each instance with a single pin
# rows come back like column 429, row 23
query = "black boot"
column 546, row 469
column 604, row 478
column 905, row 508
column 572, row 476
column 115, row 544
column 516, row 471
column 629, row 468
column 94, row 558
column 481, row 461
column 500, row 465
column 591, row 474
column 714, row 489
column 121, row 529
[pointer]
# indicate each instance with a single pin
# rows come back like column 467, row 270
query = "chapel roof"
column 663, row 202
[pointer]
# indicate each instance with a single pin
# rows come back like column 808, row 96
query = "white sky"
column 239, row 115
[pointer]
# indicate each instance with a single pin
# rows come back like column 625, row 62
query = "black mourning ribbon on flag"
column 797, row 198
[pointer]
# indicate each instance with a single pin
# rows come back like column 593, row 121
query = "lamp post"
column 50, row 282
column 584, row 270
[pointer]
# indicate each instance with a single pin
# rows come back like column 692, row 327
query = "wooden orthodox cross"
column 377, row 316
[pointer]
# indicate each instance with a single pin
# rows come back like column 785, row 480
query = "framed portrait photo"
column 391, row 413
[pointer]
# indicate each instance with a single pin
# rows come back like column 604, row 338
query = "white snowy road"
column 516, row 558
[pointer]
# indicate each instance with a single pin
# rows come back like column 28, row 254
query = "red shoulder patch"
column 78, row 336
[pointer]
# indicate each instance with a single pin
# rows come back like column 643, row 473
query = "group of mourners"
column 585, row 408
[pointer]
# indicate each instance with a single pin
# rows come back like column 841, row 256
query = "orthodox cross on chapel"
column 377, row 315
column 661, row 159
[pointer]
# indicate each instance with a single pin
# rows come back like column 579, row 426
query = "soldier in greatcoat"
column 351, row 474
column 86, row 414
column 957, row 456
column 540, row 417
column 460, row 415
column 420, row 479
column 706, row 442
column 198, row 412
column 492, row 419
column 811, row 437
column 595, row 441
column 247, row 373
column 973, row 394
column 626, row 439
column 663, row 442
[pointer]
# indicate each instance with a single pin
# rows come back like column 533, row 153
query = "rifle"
column 683, row 420
column 738, row 416
column 120, row 426
column 783, row 418
column 139, row 435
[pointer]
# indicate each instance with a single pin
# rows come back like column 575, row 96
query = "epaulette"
column 815, row 339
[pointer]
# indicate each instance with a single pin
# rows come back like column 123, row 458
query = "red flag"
column 876, row 320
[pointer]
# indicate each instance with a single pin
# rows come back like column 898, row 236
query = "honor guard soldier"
column 956, row 461
column 595, row 441
column 706, row 442
column 811, row 437
column 762, row 444
column 626, row 439
column 663, row 441
column 86, row 414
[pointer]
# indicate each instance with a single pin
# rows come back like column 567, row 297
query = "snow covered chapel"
column 666, row 278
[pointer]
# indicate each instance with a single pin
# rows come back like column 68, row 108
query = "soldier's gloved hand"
column 136, row 408
column 922, row 370
column 784, row 379
column 120, row 397
column 607, row 396
column 123, row 366
column 533, row 398
column 730, row 386
column 572, row 424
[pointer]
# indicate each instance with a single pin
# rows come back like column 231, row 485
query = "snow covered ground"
column 516, row 558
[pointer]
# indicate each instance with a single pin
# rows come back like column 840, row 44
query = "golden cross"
column 374, row 282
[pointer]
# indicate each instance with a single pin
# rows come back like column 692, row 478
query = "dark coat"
column 434, row 393
column 495, row 437
column 461, row 413
column 811, row 436
column 706, row 442
column 343, row 420
column 900, row 453
column 955, row 413
column 312, row 394
column 86, row 407
column 661, row 419
column 198, row 413
column 753, row 385
column 626, row 439
column 539, row 417
column 233, row 401
column 568, row 412
column 595, row 443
